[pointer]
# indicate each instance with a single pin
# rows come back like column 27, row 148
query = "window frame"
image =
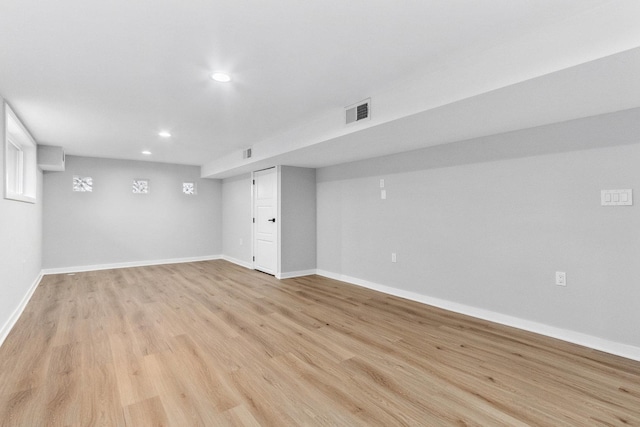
column 20, row 171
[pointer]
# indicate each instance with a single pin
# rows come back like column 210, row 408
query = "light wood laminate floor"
column 213, row 344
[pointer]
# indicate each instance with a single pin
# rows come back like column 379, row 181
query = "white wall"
column 487, row 223
column 111, row 225
column 236, row 219
column 20, row 247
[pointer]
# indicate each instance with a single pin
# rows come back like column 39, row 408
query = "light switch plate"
column 616, row 197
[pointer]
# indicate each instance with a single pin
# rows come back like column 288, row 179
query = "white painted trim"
column 292, row 274
column 245, row 264
column 253, row 215
column 82, row 268
column 6, row 328
column 601, row 344
column 287, row 275
column 253, row 219
column 279, row 222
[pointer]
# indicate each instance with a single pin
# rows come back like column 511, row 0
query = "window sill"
column 20, row 198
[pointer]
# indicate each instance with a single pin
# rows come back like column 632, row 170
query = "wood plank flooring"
column 213, row 344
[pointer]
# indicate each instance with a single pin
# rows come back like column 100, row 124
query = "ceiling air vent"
column 359, row 111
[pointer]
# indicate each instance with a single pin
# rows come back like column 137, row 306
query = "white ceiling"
column 103, row 78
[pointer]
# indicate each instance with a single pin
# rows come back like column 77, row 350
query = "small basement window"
column 20, row 160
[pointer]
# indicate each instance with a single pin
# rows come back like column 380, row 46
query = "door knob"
column 272, row 220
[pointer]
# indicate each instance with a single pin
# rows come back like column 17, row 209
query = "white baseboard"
column 82, row 268
column 6, row 328
column 601, row 344
column 236, row 261
column 287, row 275
column 596, row 343
column 292, row 274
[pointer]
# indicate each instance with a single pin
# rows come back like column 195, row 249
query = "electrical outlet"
column 383, row 194
column 241, row 242
column 561, row 278
column 393, row 257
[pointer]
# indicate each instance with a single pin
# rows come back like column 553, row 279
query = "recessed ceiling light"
column 165, row 134
column 221, row 77
column 146, row 152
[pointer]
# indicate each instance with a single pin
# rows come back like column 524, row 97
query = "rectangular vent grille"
column 363, row 111
column 357, row 112
column 246, row 154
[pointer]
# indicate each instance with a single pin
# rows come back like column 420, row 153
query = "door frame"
column 253, row 217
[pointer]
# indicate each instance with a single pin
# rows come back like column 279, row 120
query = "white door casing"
column 265, row 227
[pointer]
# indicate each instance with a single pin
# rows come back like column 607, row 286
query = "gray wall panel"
column 297, row 219
column 113, row 225
column 236, row 218
column 489, row 229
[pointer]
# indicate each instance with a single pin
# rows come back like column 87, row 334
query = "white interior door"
column 265, row 209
